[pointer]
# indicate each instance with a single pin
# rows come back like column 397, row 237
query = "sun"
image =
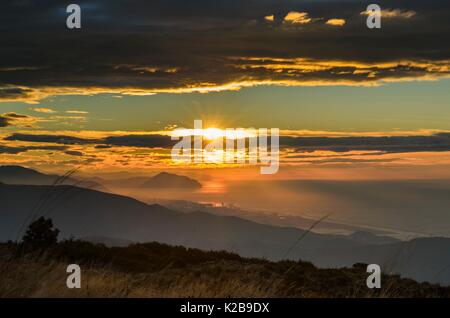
column 207, row 133
column 213, row 133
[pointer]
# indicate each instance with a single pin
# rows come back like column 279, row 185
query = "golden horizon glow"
column 274, row 66
column 119, row 157
column 213, row 133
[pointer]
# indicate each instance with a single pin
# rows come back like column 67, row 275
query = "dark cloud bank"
column 397, row 144
column 10, row 119
column 142, row 46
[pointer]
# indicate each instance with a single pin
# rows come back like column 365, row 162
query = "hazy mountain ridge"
column 88, row 213
column 424, row 259
column 22, row 175
column 370, row 235
column 83, row 212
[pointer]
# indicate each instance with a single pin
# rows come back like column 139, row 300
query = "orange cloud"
column 14, row 119
column 44, row 110
column 269, row 18
column 260, row 71
column 297, row 18
column 393, row 13
column 77, row 112
column 335, row 22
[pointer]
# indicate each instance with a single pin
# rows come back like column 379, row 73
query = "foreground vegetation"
column 158, row 270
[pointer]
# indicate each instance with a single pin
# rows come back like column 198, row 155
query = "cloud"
column 77, row 112
column 57, row 139
column 297, row 18
column 269, row 18
column 387, row 144
column 70, row 118
column 298, row 71
column 44, row 110
column 13, row 119
column 17, row 150
column 349, row 160
column 147, row 141
column 437, row 142
column 14, row 93
column 393, row 13
column 335, row 22
column 74, row 153
column 175, row 46
column 4, row 122
column 140, row 141
column 117, row 149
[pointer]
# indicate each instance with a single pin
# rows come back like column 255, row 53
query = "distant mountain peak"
column 15, row 169
column 170, row 180
column 12, row 174
column 11, row 171
column 165, row 174
column 370, row 238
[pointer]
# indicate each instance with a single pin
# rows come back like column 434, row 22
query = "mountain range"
column 85, row 213
column 22, row 175
column 169, row 180
column 162, row 180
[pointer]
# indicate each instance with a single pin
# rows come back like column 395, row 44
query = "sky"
column 350, row 102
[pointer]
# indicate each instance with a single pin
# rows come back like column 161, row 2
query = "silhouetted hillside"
column 87, row 213
column 424, row 259
column 158, row 270
column 82, row 212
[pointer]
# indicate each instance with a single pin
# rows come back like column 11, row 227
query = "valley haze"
column 118, row 220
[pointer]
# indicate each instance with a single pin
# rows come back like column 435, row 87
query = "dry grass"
column 158, row 270
column 25, row 278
